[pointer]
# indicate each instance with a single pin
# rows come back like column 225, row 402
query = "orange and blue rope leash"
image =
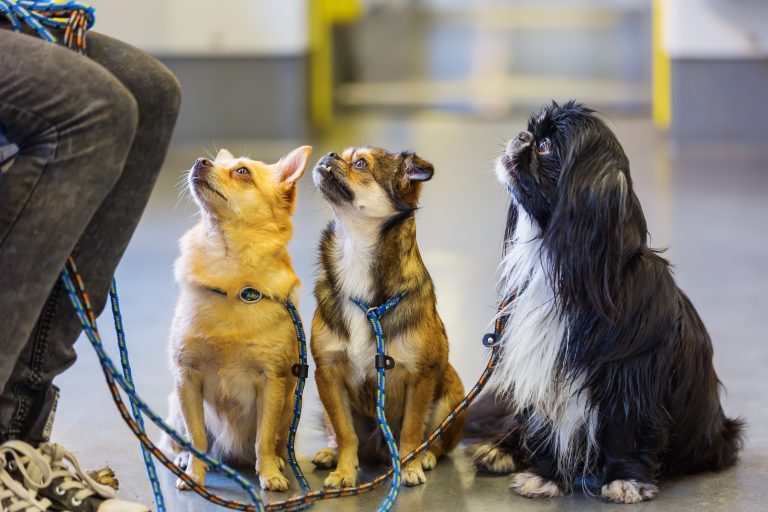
column 76, row 289
column 75, row 18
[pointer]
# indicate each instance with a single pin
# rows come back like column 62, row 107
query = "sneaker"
column 15, row 496
column 67, row 487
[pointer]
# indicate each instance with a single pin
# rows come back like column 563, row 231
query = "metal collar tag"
column 250, row 295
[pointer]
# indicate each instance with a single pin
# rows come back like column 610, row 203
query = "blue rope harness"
column 384, row 362
column 74, row 17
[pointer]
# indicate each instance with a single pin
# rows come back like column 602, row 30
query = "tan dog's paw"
column 273, row 482
column 533, row 486
column 325, row 458
column 340, row 478
column 490, row 458
column 413, row 475
column 628, row 491
column 182, row 460
column 428, row 461
column 198, row 477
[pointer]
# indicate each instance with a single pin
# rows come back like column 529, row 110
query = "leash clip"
column 384, row 361
column 490, row 339
column 300, row 370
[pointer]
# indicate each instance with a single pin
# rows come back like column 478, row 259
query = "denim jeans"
column 83, row 140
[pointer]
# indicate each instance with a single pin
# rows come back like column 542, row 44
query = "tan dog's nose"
column 203, row 162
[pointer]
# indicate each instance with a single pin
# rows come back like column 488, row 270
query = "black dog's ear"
column 596, row 225
column 418, row 169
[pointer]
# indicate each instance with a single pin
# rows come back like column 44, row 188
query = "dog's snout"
column 333, row 156
column 525, row 137
column 203, row 162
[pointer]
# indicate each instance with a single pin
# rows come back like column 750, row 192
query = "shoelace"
column 15, row 496
column 72, row 476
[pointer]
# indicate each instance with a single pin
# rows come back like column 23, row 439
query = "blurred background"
column 683, row 84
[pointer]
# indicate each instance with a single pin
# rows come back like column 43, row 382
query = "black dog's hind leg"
column 629, row 460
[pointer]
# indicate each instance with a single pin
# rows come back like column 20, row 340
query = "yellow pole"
column 322, row 15
column 661, row 72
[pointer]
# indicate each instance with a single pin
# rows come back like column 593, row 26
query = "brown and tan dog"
column 369, row 252
column 232, row 359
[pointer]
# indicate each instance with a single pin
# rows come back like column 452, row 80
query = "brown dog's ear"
column 418, row 169
column 292, row 166
column 223, row 153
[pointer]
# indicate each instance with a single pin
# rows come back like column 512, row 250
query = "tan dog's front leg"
column 268, row 463
column 189, row 387
column 333, row 394
column 418, row 402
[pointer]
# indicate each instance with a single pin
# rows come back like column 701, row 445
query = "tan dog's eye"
column 361, row 163
column 243, row 171
column 544, row 146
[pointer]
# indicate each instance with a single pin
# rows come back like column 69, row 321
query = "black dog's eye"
column 243, row 171
column 361, row 163
column 544, row 146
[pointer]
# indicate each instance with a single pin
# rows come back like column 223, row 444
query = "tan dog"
column 231, row 358
column 369, row 252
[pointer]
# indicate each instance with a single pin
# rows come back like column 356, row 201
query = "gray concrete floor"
column 708, row 206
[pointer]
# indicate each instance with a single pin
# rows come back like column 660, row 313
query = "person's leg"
column 73, row 123
column 49, row 351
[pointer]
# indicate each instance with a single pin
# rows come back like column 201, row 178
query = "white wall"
column 716, row 28
column 215, row 27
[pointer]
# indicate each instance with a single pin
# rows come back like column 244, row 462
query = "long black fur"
column 638, row 346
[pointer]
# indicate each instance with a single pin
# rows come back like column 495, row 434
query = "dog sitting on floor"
column 606, row 371
column 369, row 253
column 233, row 342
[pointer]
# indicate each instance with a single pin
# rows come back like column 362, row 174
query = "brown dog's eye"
column 544, row 146
column 243, row 171
column 361, row 163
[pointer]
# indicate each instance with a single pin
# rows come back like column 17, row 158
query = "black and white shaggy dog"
column 606, row 379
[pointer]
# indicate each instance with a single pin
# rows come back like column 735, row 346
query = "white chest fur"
column 354, row 253
column 534, row 334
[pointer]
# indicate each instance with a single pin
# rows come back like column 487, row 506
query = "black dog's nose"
column 525, row 137
column 203, row 162
column 333, row 155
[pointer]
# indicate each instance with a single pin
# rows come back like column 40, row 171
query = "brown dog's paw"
column 533, row 486
column 340, row 478
column 325, row 458
column 428, row 461
column 273, row 482
column 490, row 458
column 413, row 475
column 628, row 491
column 198, row 477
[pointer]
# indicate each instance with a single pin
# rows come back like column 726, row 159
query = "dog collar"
column 247, row 294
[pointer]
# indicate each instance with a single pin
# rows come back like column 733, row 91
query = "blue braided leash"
column 383, row 363
column 125, row 362
column 300, row 371
column 73, row 16
column 91, row 331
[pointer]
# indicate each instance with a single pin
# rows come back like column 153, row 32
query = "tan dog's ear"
column 225, row 154
column 292, row 166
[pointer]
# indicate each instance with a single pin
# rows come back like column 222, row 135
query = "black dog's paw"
column 628, row 491
column 490, row 458
column 533, row 486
